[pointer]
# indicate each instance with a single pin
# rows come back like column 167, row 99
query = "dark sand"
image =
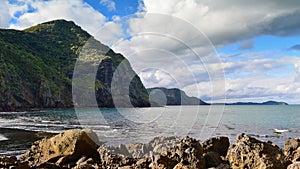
column 19, row 140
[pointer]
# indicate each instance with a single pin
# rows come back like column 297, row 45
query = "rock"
column 12, row 162
column 143, row 162
column 109, row 160
column 223, row 166
column 212, row 159
column 125, row 167
column 217, row 144
column 248, row 152
column 139, row 150
column 8, row 161
column 121, row 149
column 295, row 165
column 292, row 149
column 181, row 166
column 47, row 165
column 160, row 145
column 84, row 163
column 188, row 152
column 63, row 148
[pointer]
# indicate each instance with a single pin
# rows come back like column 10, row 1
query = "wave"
column 3, row 138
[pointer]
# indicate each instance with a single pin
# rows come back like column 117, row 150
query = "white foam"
column 3, row 138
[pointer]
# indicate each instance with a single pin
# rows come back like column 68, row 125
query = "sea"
column 276, row 123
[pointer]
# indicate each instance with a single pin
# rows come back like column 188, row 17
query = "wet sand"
column 18, row 141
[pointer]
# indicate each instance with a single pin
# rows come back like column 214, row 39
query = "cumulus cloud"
column 234, row 20
column 111, row 5
column 223, row 23
column 76, row 10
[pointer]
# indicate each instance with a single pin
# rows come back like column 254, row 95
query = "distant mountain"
column 160, row 96
column 254, row 103
column 36, row 68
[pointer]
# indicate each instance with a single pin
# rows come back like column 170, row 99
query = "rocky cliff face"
column 172, row 96
column 36, row 68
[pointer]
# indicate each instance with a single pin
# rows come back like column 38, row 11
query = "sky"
column 219, row 51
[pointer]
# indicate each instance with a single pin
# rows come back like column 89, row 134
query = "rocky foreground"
column 81, row 149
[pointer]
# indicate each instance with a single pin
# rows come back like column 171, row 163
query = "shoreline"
column 12, row 137
column 81, row 148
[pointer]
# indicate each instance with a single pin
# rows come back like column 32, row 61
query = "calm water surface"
column 116, row 126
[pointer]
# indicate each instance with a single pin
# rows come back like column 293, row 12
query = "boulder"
column 216, row 144
column 248, row 152
column 295, row 165
column 63, row 148
column 186, row 154
column 292, row 149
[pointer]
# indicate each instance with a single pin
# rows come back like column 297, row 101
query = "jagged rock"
column 63, row 148
column 136, row 150
column 295, row 165
column 292, row 149
column 12, row 162
column 223, row 166
column 109, row 160
column 47, row 165
column 248, row 152
column 181, row 166
column 216, row 144
column 143, row 162
column 139, row 150
column 162, row 144
column 188, row 152
column 212, row 159
column 121, row 149
column 84, row 163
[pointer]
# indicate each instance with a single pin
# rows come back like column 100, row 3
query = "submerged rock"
column 63, row 148
column 248, row 152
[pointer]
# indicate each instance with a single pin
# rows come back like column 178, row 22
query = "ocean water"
column 116, row 126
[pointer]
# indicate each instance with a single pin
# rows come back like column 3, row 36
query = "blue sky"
column 228, row 53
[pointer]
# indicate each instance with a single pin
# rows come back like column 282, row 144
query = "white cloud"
column 111, row 5
column 171, row 48
column 251, row 73
column 4, row 14
column 109, row 33
column 76, row 10
column 229, row 21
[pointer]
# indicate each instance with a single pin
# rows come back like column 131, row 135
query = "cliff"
column 36, row 68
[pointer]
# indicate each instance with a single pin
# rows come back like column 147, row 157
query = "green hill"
column 36, row 68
